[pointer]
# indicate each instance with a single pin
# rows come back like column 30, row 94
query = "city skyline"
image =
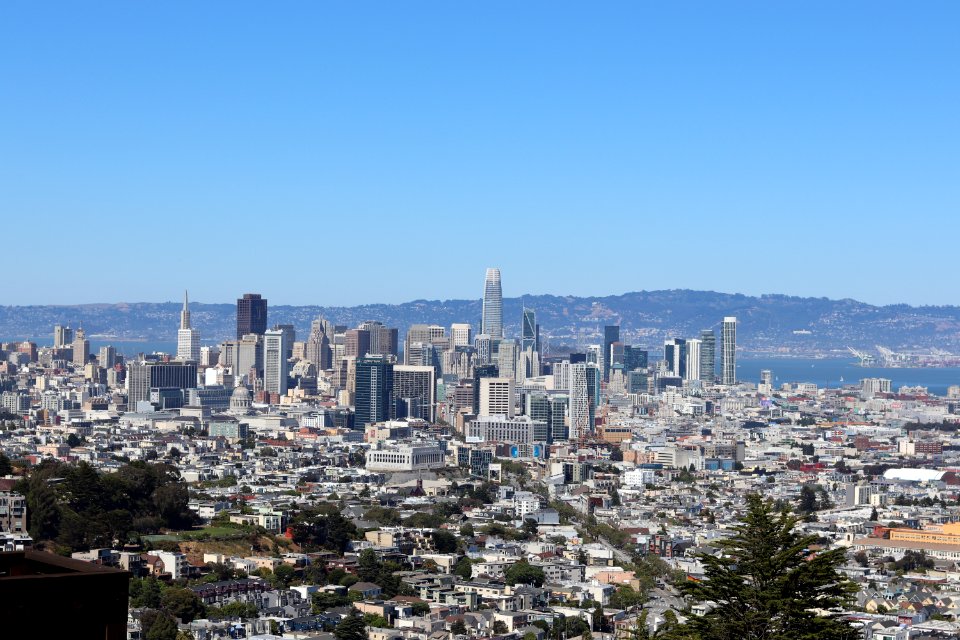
column 789, row 144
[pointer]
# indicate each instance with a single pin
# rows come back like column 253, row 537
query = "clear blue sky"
column 350, row 152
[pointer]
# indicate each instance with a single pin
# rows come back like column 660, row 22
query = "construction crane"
column 865, row 359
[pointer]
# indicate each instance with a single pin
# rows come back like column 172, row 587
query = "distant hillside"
column 646, row 317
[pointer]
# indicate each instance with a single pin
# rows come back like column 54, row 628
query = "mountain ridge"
column 768, row 323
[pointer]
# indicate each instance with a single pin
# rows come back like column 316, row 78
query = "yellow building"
column 948, row 533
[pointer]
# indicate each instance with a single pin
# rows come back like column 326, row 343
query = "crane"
column 865, row 358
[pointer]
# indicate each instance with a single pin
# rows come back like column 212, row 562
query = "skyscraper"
column 492, row 322
column 481, row 371
column 251, row 315
column 694, row 354
column 708, row 356
column 484, row 347
column 414, row 391
column 461, row 334
column 318, row 345
column 188, row 339
column 728, row 351
column 529, row 331
column 579, row 401
column 62, row 336
column 611, row 334
column 81, row 348
column 675, row 355
column 356, row 343
column 275, row 347
column 507, row 359
column 108, row 357
column 374, row 390
column 496, row 397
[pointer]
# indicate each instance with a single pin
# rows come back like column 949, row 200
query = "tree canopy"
column 87, row 509
column 769, row 584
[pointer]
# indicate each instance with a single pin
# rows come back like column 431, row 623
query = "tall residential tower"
column 728, row 351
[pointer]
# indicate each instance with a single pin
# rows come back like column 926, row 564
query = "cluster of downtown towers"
column 363, row 364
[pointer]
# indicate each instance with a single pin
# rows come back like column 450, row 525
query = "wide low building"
column 941, row 541
column 406, row 458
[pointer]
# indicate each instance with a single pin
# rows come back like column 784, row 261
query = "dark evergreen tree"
column 5, row 467
column 768, row 584
column 352, row 628
column 808, row 500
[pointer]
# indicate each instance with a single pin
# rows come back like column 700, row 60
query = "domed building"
column 240, row 401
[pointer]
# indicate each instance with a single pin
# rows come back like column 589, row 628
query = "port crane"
column 865, row 358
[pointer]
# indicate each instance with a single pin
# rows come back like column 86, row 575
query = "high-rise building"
column 675, row 356
column 62, row 337
column 356, row 343
column 481, row 371
column 462, row 334
column 694, row 354
column 484, row 348
column 579, row 412
column 383, row 340
column 251, row 315
column 81, row 348
column 728, row 351
column 611, row 334
column 507, row 359
column 374, row 390
column 708, row 356
column 561, row 375
column 275, row 363
column 318, row 345
column 209, row 356
column 496, row 397
column 414, row 391
column 188, row 338
column 634, row 358
column 492, row 321
column 529, row 331
column 528, row 364
column 244, row 357
column 108, row 357
column 144, row 376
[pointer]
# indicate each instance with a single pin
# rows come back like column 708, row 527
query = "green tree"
column 625, row 597
column 523, row 572
column 500, row 628
column 158, row 625
column 5, row 467
column 145, row 593
column 420, row 608
column 458, row 628
column 598, row 619
column 444, row 541
column 182, row 603
column 323, row 600
column 352, row 628
column 767, row 585
column 283, row 575
column 808, row 500
column 466, row 530
column 368, row 565
column 463, row 568
column 376, row 621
